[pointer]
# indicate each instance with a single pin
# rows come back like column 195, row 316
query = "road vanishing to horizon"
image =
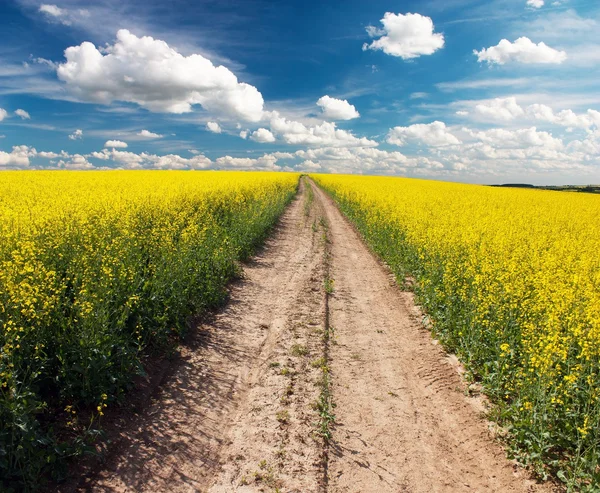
column 299, row 246
column 238, row 413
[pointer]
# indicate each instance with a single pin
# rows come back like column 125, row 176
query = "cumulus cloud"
column 406, row 36
column 174, row 161
column 321, row 135
column 244, row 134
column 213, row 127
column 507, row 109
column 150, row 73
column 146, row 134
column 433, row 134
column 523, row 50
column 266, row 162
column 496, row 152
column 77, row 161
column 362, row 159
column 77, row 135
column 517, row 139
column 309, row 165
column 587, row 149
column 23, row 114
column 262, row 135
column 52, row 155
column 523, row 151
column 116, row 143
column 337, row 109
column 536, row 4
column 3, row 114
column 17, row 158
column 131, row 160
column 503, row 109
column 565, row 118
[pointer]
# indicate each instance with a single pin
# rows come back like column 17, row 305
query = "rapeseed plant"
column 511, row 281
column 97, row 268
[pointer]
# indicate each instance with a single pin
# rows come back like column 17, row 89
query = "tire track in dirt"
column 240, row 414
column 403, row 422
column 274, row 445
column 236, row 412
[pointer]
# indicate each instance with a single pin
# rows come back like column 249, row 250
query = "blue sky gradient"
column 407, row 97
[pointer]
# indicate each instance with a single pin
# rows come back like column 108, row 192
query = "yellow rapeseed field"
column 510, row 279
column 95, row 268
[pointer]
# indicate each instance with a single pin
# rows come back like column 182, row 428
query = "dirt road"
column 249, row 409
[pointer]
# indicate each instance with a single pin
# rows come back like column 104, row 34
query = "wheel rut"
column 403, row 421
column 314, row 322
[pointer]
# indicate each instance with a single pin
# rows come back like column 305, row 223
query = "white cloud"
column 174, row 161
column 507, row 109
column 587, row 149
column 462, row 113
column 149, row 72
column 127, row 159
column 262, row 135
column 52, row 155
column 536, row 4
column 63, row 16
column 282, row 155
column 23, row 114
column 406, row 36
column 244, row 134
column 517, row 139
column 337, row 109
column 362, row 159
column 517, row 153
column 52, row 10
column 309, row 165
column 503, row 109
column 3, row 114
column 565, row 118
column 146, row 134
column 18, row 157
column 213, row 127
column 431, row 134
column 266, row 162
column 523, row 50
column 131, row 160
column 493, row 153
column 419, row 95
column 561, row 25
column 487, row 83
column 325, row 134
column 77, row 135
column 77, row 161
column 116, row 143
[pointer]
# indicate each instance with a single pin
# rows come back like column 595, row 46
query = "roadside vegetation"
column 510, row 281
column 98, row 269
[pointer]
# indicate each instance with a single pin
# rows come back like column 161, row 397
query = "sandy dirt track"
column 403, row 422
column 239, row 414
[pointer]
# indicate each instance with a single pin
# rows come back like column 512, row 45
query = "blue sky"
column 481, row 91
